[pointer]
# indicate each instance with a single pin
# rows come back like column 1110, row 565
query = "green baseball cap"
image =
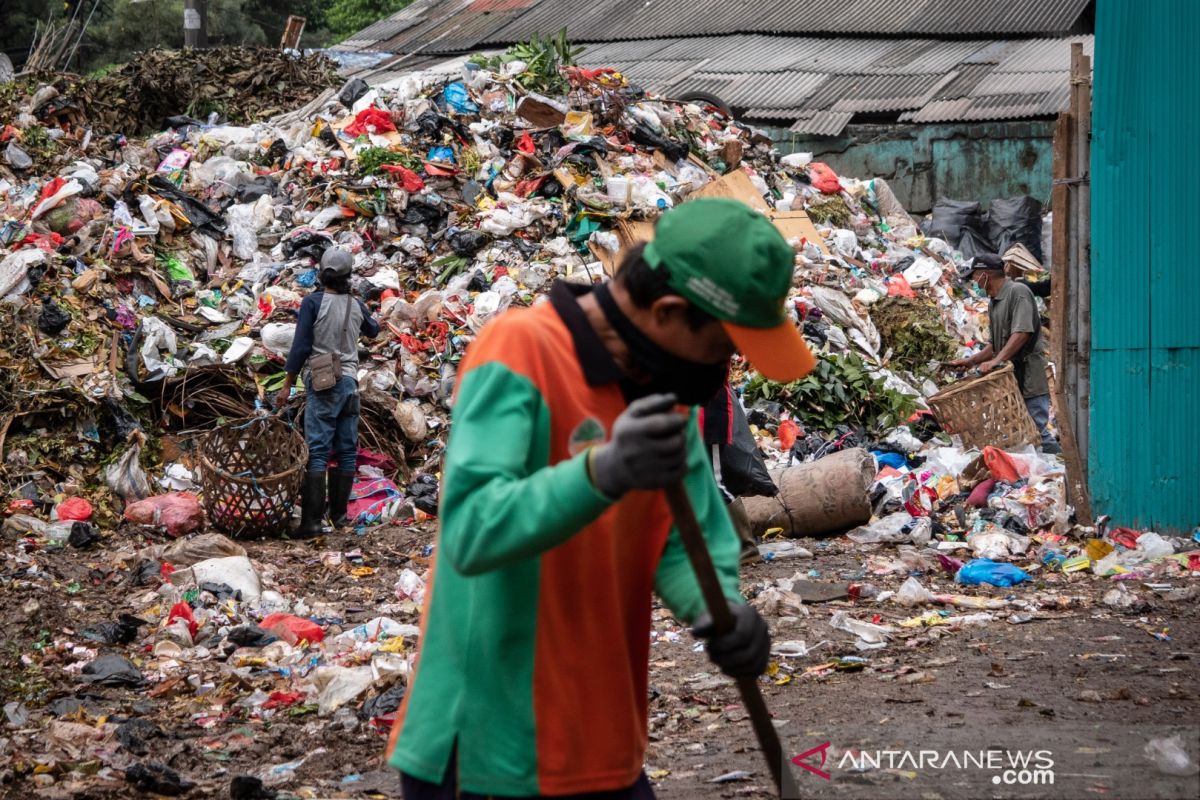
column 729, row 260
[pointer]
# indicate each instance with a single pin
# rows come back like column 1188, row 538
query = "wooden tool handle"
column 718, row 608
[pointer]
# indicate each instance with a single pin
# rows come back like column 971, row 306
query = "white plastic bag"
column 912, row 593
column 236, row 572
column 1168, row 755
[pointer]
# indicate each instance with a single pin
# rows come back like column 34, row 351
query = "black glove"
column 742, row 651
column 648, row 448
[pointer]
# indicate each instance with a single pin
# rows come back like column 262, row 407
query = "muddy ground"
column 1076, row 686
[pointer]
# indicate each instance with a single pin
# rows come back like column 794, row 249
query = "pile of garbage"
column 153, row 285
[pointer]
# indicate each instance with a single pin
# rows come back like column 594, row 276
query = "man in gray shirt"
column 1015, row 328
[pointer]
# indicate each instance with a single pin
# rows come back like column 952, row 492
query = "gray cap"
column 337, row 260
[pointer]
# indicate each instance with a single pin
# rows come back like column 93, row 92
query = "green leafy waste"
column 839, row 391
column 542, row 55
column 913, row 330
column 371, row 160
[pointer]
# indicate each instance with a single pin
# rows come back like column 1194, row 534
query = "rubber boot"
column 341, row 483
column 312, row 506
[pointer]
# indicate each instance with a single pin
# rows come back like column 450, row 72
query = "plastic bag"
column 338, row 686
column 74, row 508
column 981, row 570
column 823, row 178
column 1169, row 757
column 125, row 476
column 455, row 95
column 867, row 631
column 178, row 512
column 291, row 628
column 951, row 218
column 743, row 469
column 187, row 552
column 1016, row 219
column 277, row 337
column 887, row 529
column 236, row 572
column 912, row 593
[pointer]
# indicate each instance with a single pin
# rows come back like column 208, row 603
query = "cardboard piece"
column 629, row 232
column 540, row 111
column 735, row 185
column 797, row 225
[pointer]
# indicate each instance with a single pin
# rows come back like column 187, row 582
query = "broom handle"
column 718, row 608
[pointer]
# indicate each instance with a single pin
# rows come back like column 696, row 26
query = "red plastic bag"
column 374, row 117
column 1003, row 466
column 1126, row 537
column 525, row 144
column 75, row 509
column 788, row 432
column 178, row 512
column 897, row 286
column 410, row 180
column 291, row 628
column 824, row 178
column 183, row 611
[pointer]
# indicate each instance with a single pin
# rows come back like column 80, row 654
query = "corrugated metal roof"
column 630, row 19
column 823, row 123
column 817, row 83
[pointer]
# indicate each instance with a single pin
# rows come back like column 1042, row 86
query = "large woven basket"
column 251, row 471
column 986, row 410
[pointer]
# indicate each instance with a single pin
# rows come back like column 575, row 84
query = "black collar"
column 599, row 367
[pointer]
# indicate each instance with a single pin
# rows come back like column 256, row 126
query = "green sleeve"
column 500, row 502
column 675, row 582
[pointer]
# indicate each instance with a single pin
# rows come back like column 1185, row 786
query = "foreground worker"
column 532, row 674
column 330, row 323
column 1014, row 326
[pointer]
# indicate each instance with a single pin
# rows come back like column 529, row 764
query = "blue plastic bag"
column 443, row 154
column 457, row 98
column 889, row 459
column 981, row 570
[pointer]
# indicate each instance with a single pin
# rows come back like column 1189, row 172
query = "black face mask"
column 693, row 382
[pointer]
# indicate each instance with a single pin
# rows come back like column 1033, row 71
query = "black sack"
column 743, row 470
column 951, row 218
column 1017, row 219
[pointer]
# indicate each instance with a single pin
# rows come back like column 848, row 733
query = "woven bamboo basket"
column 986, row 410
column 251, row 471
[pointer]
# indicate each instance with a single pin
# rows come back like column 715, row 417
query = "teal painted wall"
column 1144, row 456
column 964, row 161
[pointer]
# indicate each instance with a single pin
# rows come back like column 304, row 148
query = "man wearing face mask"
column 1015, row 326
column 569, row 419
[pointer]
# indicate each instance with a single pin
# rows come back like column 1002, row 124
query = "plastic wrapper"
column 982, row 570
column 177, row 512
column 125, row 476
column 1169, row 757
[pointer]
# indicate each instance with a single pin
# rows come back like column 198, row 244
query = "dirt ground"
column 1062, row 678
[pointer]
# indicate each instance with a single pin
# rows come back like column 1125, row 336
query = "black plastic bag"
column 53, row 319
column 423, row 492
column 112, row 670
column 952, row 217
column 973, row 244
column 308, row 244
column 83, row 535
column 642, row 134
column 467, row 242
column 383, row 703
column 155, row 777
column 1016, row 219
column 743, row 470
column 123, row 631
column 133, row 733
column 249, row 636
column 352, row 91
column 247, row 787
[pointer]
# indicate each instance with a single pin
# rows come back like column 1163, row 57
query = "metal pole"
column 195, row 23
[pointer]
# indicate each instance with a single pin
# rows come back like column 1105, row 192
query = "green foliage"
column 914, row 332
column 833, row 211
column 839, row 391
column 133, row 27
column 542, row 56
column 371, row 160
column 346, row 17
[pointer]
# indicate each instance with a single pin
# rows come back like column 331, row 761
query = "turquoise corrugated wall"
column 1144, row 456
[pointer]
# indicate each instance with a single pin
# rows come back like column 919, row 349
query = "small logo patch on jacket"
column 586, row 434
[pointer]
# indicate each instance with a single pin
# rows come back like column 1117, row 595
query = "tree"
column 135, row 26
column 346, row 17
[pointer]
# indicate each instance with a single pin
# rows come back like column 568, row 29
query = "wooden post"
column 292, row 32
column 1081, row 90
column 1060, row 317
column 195, row 23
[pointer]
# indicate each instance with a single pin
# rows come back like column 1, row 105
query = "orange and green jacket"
column 536, row 629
